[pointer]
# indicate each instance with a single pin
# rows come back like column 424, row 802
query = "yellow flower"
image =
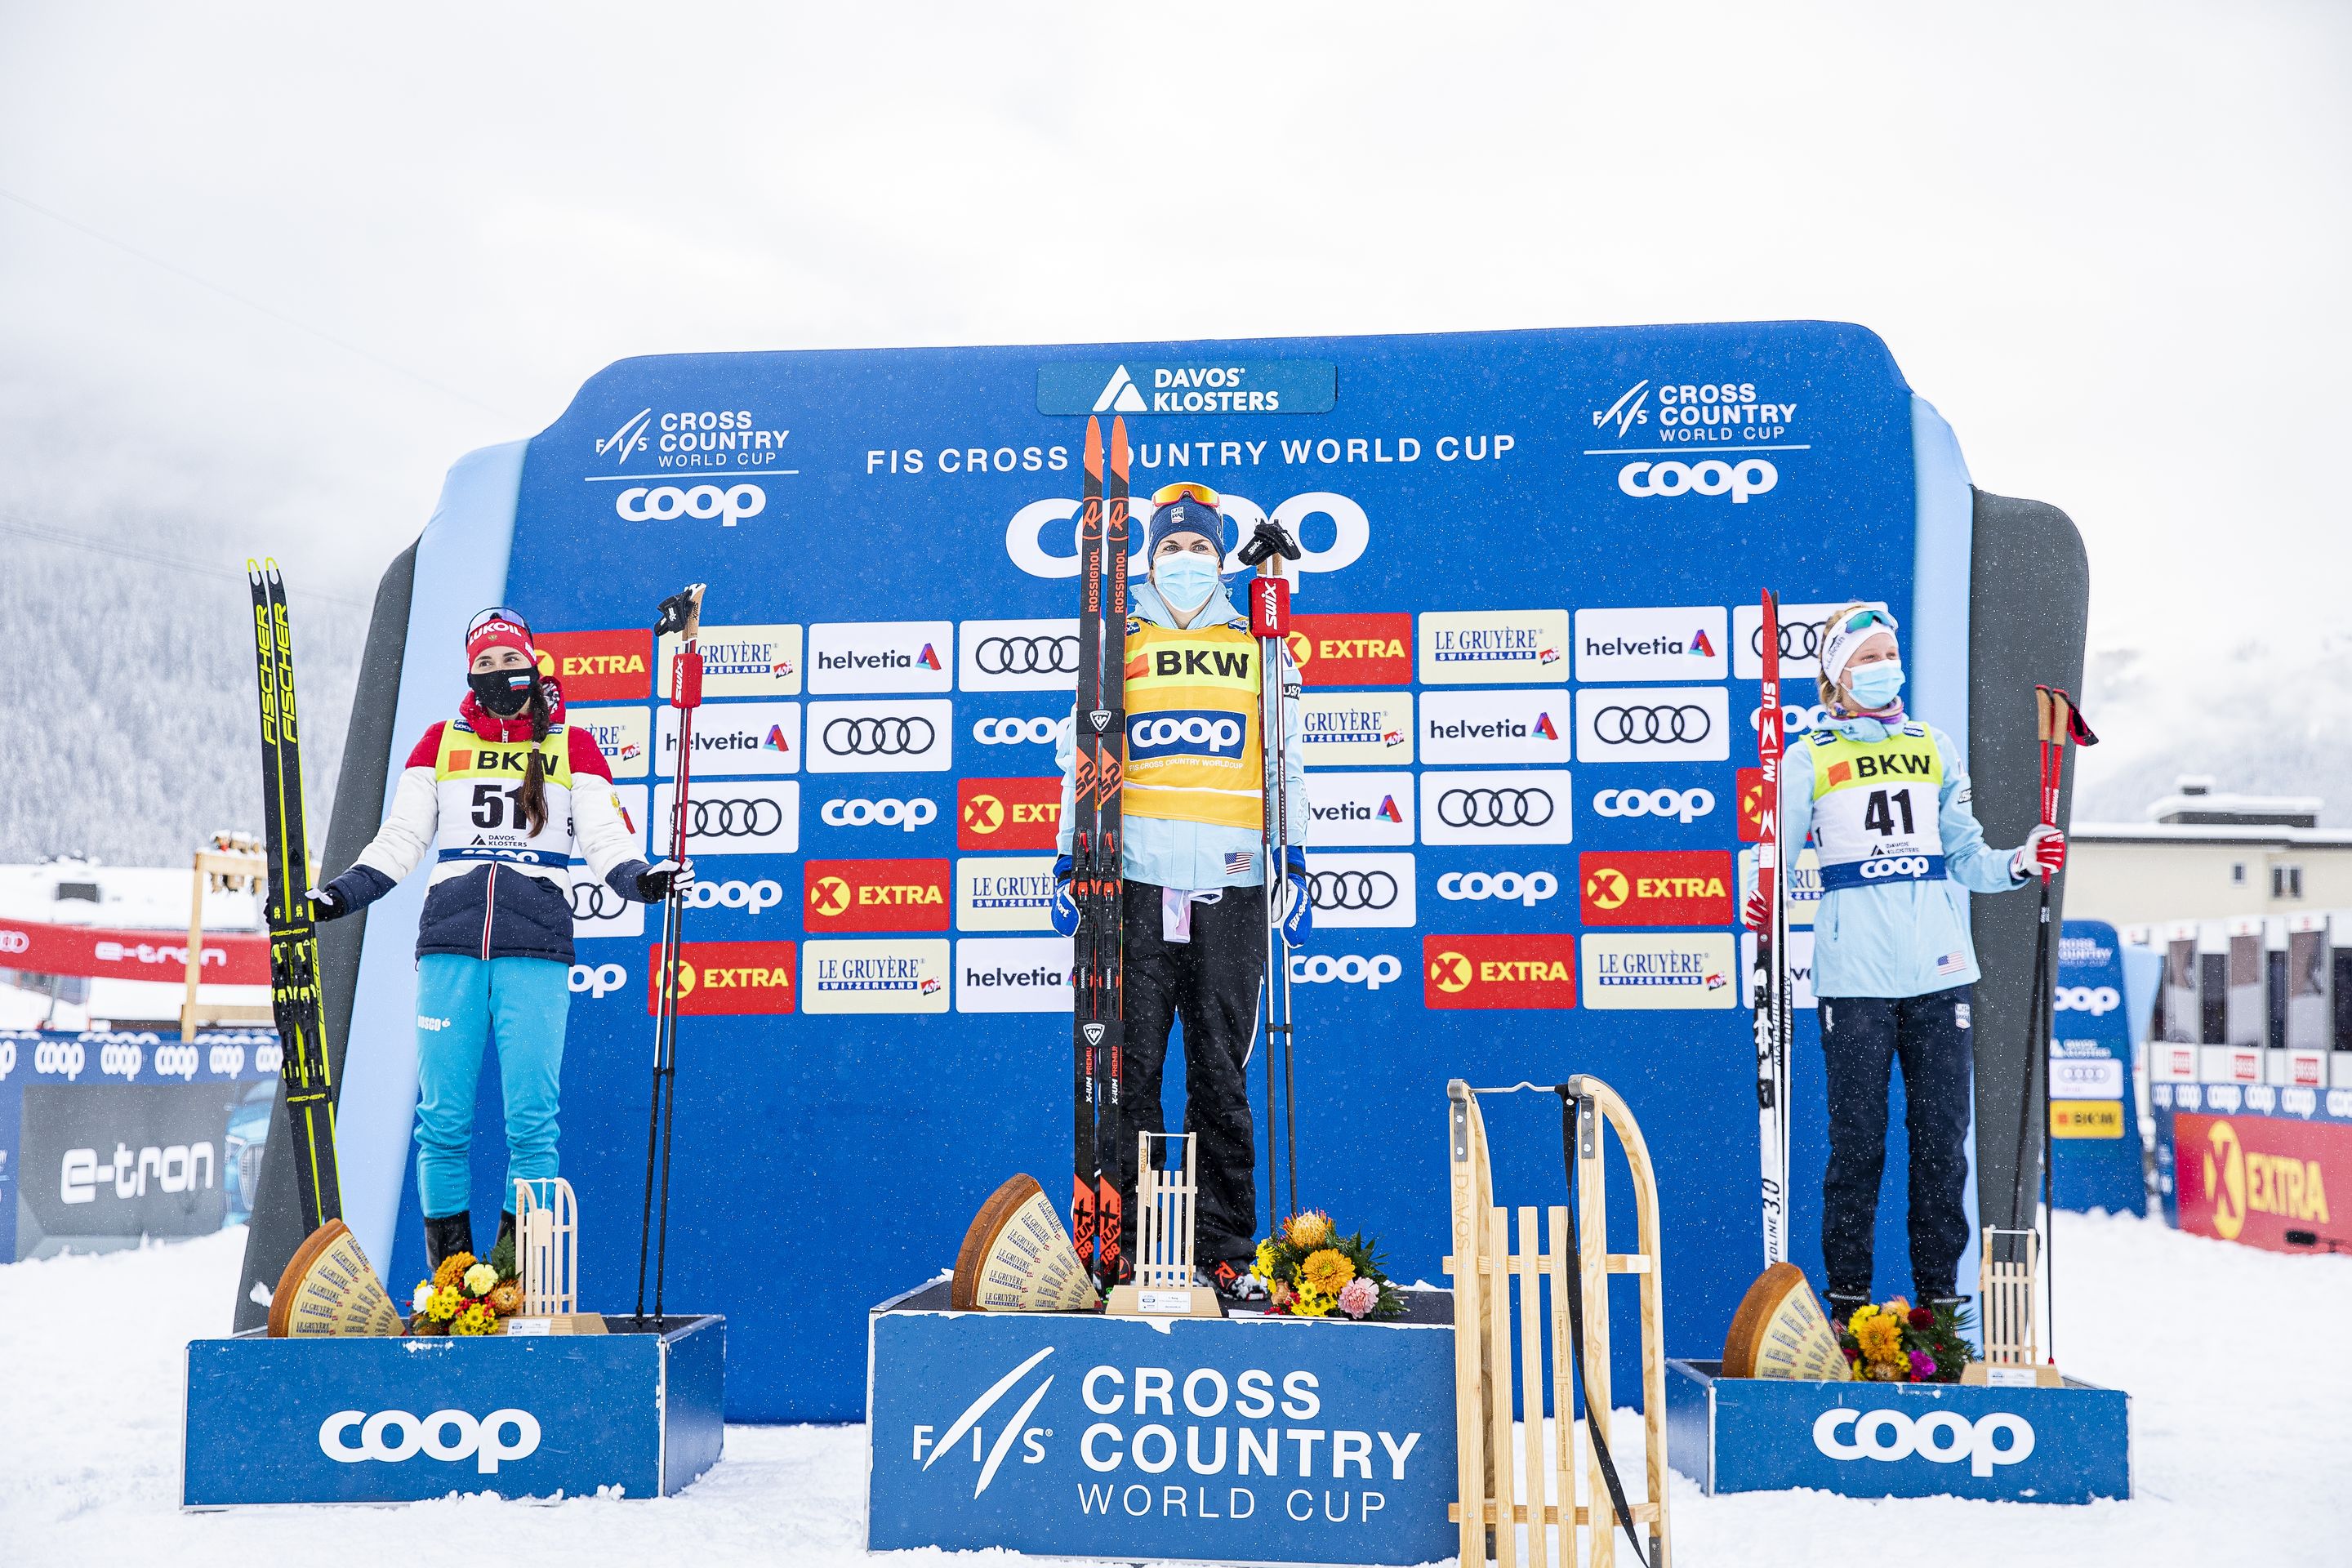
column 1308, row 1231
column 453, row 1268
column 479, row 1278
column 476, row 1319
column 1311, row 1303
column 1263, row 1267
column 1326, row 1272
column 444, row 1304
column 1880, row 1337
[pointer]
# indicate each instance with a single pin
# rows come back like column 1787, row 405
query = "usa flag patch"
column 1237, row 862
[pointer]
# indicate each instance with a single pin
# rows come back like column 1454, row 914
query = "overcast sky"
column 2108, row 241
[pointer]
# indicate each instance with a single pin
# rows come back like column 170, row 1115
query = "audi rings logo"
column 15, row 942
column 662, row 503
column 904, row 815
column 596, row 901
column 722, row 818
column 1681, row 803
column 879, row 736
column 448, row 1436
column 1530, row 890
column 1012, row 731
column 1621, row 724
column 763, row 894
column 1713, row 477
column 1799, row 639
column 1913, row 866
column 1026, row 655
column 1371, row 972
column 599, row 982
column 1352, row 890
column 1495, row 807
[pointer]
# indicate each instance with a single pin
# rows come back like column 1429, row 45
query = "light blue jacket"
column 1898, row 939
column 1192, row 855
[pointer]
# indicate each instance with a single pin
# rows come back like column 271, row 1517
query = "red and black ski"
column 1770, row 980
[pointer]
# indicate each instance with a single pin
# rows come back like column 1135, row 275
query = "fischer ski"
column 295, row 995
column 1098, row 874
column 1771, row 987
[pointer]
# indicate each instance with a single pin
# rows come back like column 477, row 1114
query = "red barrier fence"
column 230, row 958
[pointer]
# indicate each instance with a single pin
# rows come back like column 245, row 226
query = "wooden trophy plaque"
column 1165, row 1197
column 1016, row 1257
column 547, row 1261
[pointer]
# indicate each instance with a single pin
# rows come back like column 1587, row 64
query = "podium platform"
column 1248, row 1438
column 399, row 1420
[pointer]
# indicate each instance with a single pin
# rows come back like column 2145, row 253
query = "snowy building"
column 74, row 891
column 2207, row 854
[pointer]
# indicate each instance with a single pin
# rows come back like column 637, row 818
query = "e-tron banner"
column 1527, row 619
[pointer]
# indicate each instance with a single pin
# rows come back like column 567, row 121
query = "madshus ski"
column 1096, row 885
column 1771, row 979
column 295, row 996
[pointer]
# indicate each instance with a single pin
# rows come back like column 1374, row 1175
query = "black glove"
column 666, row 876
column 326, row 904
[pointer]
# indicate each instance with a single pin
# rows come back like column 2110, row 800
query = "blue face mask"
column 1875, row 685
column 1185, row 580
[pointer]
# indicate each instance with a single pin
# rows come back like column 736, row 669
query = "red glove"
column 1758, row 914
column 2044, row 852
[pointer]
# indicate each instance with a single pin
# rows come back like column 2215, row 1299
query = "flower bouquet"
column 1898, row 1343
column 1310, row 1270
column 467, row 1296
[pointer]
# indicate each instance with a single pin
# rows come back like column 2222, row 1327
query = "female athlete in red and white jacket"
column 510, row 791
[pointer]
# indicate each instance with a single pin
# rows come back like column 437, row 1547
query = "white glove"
column 2044, row 851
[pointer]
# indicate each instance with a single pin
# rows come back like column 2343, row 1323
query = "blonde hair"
column 1829, row 689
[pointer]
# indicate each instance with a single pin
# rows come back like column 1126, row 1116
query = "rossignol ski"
column 1098, row 875
column 1770, row 980
column 1269, row 614
column 294, row 997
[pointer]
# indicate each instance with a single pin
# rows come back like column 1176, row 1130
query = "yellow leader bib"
column 1194, row 750
column 478, row 781
column 1876, row 806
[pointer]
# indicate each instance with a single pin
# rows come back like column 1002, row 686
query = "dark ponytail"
column 530, row 800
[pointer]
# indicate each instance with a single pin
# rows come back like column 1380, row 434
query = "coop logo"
column 2098, row 1001
column 1941, row 1437
column 880, row 656
column 65, row 1057
column 876, row 895
column 888, row 812
column 1712, row 477
column 1498, row 972
column 877, row 975
column 1007, row 814
column 1187, row 732
column 598, row 666
column 83, row 1178
column 1686, row 806
column 753, row 897
column 726, row 977
column 1530, row 888
column 1671, row 887
column 599, row 982
column 1040, row 731
column 661, row 503
column 1352, row 651
column 449, row 1436
column 1371, row 971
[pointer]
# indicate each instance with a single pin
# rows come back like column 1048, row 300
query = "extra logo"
column 389, row 1437
column 875, row 895
column 1494, row 727
column 1751, row 806
column 877, row 975
column 743, row 661
column 1011, row 892
column 888, row 812
column 1516, row 805
column 1008, row 813
column 2241, row 1180
column 1940, row 1437
column 661, row 503
column 729, row 978
column 733, row 738
column 1531, row 971
column 1356, row 729
column 598, row 666
column 881, row 737
column 1353, row 890
column 1528, row 887
column 1494, row 647
column 731, row 816
column 1373, row 810
column 1689, row 643
column 1680, row 971
column 1655, row 887
column 1683, row 805
column 1019, row 655
column 1653, row 723
column 1740, row 479
column 881, row 656
column 1012, row 974
column 1352, row 651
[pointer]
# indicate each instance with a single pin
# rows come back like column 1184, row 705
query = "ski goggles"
column 1186, row 490
column 1841, row 639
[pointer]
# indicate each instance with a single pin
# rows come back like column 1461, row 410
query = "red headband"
column 493, row 633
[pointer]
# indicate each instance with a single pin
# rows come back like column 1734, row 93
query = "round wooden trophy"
column 328, row 1289
column 1779, row 1331
column 1016, row 1257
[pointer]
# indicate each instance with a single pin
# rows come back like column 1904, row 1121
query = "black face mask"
column 505, row 692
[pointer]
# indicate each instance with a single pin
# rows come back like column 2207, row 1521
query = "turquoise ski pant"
column 460, row 1004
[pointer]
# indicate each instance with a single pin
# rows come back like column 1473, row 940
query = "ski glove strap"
column 326, row 906
column 666, row 878
column 1063, row 908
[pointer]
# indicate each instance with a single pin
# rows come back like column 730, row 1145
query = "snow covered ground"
column 2242, row 1418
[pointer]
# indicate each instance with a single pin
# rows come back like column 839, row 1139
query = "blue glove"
column 1298, row 917
column 1064, row 908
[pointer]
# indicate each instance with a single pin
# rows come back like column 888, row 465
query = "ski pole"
column 680, row 614
column 1269, row 599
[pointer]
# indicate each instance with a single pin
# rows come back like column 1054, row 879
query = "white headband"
column 1844, row 636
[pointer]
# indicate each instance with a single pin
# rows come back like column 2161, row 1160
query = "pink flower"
column 1923, row 1366
column 1358, row 1296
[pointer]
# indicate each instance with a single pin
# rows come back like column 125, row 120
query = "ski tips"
column 1117, row 445
column 1094, row 454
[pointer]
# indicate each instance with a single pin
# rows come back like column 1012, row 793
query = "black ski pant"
column 1212, row 984
column 1861, row 1036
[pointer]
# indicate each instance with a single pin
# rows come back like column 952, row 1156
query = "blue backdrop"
column 1537, row 552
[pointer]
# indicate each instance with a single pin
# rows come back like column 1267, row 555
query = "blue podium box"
column 398, row 1420
column 2065, row 1445
column 1243, row 1440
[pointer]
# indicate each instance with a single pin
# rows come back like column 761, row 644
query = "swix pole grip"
column 1269, row 602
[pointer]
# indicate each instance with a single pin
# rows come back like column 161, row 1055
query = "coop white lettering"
column 906, row 815
column 393, row 1435
column 1941, row 1437
column 1714, row 477
column 2096, row 1000
column 603, row 980
column 660, row 503
column 1356, row 969
column 1683, row 804
column 1508, row 886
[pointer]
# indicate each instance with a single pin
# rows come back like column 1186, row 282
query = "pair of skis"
column 1098, row 886
column 296, row 999
column 1770, row 980
column 1269, row 614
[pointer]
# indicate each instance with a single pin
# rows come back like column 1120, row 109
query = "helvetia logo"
column 776, row 740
